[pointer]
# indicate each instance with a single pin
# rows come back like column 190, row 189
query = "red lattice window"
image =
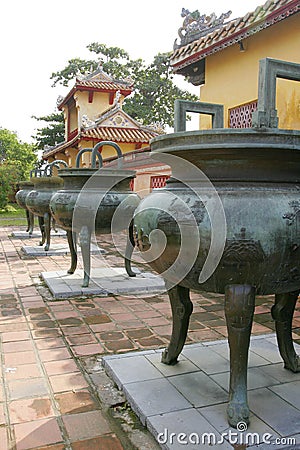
column 158, row 181
column 241, row 116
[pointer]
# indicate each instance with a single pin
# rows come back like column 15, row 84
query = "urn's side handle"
column 88, row 150
column 269, row 70
column 111, row 144
column 37, row 172
column 181, row 107
column 56, row 163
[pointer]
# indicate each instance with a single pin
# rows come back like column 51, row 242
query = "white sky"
column 39, row 37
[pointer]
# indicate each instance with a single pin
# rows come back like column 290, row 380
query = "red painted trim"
column 67, row 98
column 124, row 92
column 72, row 134
column 91, row 96
column 111, row 97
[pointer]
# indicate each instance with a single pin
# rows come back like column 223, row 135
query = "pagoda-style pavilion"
column 93, row 113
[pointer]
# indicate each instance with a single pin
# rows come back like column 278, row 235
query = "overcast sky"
column 39, row 37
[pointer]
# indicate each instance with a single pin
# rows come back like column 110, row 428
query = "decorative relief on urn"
column 241, row 251
column 293, row 216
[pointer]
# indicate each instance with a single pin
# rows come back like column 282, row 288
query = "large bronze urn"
column 87, row 202
column 38, row 199
column 228, row 222
column 24, row 188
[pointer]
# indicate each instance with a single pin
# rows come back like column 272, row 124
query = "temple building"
column 93, row 113
column 222, row 56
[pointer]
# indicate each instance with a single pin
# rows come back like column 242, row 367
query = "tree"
column 154, row 90
column 16, row 160
column 53, row 133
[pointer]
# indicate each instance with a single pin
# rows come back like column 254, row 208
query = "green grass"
column 12, row 210
column 13, row 222
column 12, row 214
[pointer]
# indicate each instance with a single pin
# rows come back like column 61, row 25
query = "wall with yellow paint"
column 231, row 76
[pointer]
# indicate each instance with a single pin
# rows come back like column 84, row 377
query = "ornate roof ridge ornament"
column 196, row 25
column 99, row 74
column 157, row 127
column 87, row 122
column 59, row 100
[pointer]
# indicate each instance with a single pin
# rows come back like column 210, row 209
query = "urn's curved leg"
column 239, row 310
column 72, row 246
column 28, row 220
column 47, row 224
column 53, row 225
column 31, row 222
column 85, row 243
column 282, row 313
column 42, row 228
column 129, row 250
column 182, row 308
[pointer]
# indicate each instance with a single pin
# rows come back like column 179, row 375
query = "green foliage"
column 16, row 160
column 154, row 91
column 75, row 66
column 53, row 133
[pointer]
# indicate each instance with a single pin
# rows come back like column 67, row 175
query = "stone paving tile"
column 257, row 378
column 199, row 389
column 85, row 425
column 60, row 367
column 88, row 349
column 152, row 397
column 3, row 439
column 167, row 428
column 183, row 365
column 23, row 371
column 206, row 359
column 27, row 388
column 274, row 411
column 37, row 433
column 137, row 368
column 107, row 442
column 76, row 402
column 67, row 382
column 288, row 391
column 2, row 415
column 27, row 410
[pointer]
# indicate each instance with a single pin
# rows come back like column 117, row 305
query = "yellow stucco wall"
column 94, row 109
column 231, row 76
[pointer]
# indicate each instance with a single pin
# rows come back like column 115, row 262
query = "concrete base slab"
column 55, row 249
column 184, row 406
column 36, row 234
column 104, row 281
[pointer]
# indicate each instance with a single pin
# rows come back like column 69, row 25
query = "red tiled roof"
column 119, row 134
column 105, row 85
column 60, row 147
column 230, row 33
column 98, row 81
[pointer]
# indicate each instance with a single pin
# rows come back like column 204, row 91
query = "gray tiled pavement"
column 191, row 397
column 19, row 234
column 103, row 281
column 54, row 250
